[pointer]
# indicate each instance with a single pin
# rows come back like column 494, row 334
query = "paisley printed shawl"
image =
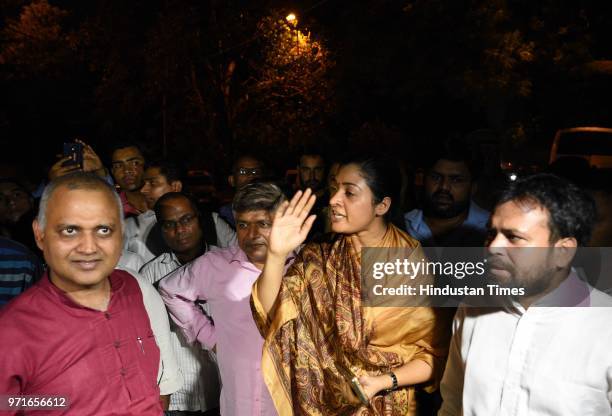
column 318, row 325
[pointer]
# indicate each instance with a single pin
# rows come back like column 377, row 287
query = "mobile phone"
column 358, row 390
column 354, row 382
column 73, row 150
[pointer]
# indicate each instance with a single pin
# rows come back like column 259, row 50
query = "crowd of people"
column 122, row 294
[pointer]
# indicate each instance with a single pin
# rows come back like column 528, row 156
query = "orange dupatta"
column 319, row 320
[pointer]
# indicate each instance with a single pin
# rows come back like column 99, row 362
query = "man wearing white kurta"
column 548, row 352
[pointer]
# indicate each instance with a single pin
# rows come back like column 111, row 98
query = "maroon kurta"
column 105, row 363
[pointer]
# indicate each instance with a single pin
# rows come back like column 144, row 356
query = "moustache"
column 255, row 242
column 496, row 263
column 445, row 194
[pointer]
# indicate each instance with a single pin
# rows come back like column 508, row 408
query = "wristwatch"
column 394, row 379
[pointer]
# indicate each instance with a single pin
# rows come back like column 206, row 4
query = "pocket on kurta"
column 143, row 380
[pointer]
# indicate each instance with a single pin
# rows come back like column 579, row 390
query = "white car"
column 591, row 143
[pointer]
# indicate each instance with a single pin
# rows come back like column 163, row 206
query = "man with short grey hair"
column 82, row 333
column 223, row 278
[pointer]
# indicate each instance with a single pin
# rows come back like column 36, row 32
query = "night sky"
column 205, row 79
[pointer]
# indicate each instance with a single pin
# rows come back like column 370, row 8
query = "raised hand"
column 91, row 161
column 291, row 223
column 60, row 169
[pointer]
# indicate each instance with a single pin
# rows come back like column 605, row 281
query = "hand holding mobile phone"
column 353, row 380
column 358, row 390
column 74, row 150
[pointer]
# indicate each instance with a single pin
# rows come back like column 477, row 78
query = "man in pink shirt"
column 81, row 334
column 223, row 278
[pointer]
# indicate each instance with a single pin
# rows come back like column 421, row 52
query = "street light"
column 292, row 19
column 292, row 22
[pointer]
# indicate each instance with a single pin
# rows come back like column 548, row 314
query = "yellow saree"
column 319, row 325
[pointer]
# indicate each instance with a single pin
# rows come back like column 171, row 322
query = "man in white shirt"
column 546, row 352
column 182, row 232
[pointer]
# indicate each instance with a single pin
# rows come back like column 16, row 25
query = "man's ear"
column 474, row 189
column 383, row 206
column 565, row 250
column 177, row 186
column 39, row 235
column 230, row 180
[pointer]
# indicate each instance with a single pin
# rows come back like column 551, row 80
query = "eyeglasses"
column 248, row 171
column 184, row 221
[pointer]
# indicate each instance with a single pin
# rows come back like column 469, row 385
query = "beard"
column 534, row 278
column 441, row 204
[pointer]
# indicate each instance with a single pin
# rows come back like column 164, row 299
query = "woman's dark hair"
column 383, row 177
column 572, row 212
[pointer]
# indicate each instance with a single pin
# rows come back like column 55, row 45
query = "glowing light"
column 292, row 19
